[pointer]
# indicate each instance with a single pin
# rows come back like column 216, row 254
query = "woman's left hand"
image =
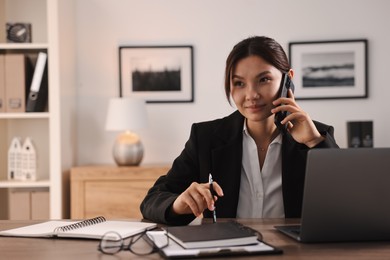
column 299, row 123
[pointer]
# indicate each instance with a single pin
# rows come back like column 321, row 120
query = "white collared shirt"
column 261, row 190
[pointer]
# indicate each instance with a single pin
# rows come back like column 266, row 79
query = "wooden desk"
column 111, row 191
column 39, row 248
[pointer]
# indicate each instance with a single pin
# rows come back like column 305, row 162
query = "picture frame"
column 158, row 74
column 330, row 69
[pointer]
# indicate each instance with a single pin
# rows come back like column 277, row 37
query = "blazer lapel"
column 226, row 161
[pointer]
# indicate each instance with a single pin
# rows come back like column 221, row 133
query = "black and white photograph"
column 329, row 69
column 157, row 73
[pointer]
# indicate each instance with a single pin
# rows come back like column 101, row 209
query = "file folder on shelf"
column 38, row 92
column 2, row 21
column 17, row 71
column 2, row 83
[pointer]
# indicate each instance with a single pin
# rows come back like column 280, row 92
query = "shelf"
column 26, row 115
column 25, row 184
column 23, row 46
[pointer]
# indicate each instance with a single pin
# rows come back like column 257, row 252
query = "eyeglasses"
column 112, row 242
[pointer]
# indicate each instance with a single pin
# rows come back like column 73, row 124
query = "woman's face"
column 254, row 84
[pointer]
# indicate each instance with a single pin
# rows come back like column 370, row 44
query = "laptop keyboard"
column 296, row 230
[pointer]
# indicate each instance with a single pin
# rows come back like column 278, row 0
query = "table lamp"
column 127, row 115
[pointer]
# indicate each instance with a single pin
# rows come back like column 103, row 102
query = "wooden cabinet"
column 111, row 191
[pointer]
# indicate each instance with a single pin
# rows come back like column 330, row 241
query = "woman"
column 258, row 169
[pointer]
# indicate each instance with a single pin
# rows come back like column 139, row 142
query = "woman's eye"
column 238, row 83
column 264, row 80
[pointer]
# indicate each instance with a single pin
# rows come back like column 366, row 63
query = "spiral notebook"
column 93, row 228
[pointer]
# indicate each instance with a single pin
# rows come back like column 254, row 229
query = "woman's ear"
column 291, row 73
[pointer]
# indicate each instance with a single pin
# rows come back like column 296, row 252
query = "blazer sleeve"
column 326, row 131
column 159, row 199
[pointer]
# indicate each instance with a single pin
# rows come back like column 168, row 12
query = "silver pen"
column 212, row 195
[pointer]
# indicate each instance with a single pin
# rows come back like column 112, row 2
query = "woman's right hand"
column 196, row 198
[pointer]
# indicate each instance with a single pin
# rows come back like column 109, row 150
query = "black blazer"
column 216, row 147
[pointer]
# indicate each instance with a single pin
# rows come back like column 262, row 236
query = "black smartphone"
column 285, row 84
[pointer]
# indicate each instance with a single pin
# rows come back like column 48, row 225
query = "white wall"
column 213, row 27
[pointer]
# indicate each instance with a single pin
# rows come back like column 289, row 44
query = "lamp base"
column 128, row 149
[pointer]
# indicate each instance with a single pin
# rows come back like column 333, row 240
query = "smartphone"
column 285, row 84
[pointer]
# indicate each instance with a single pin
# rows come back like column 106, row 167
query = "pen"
column 212, row 195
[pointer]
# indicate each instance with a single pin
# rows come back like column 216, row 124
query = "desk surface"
column 44, row 248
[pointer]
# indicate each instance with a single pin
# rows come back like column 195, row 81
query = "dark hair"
column 262, row 46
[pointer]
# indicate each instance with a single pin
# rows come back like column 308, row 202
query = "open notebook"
column 93, row 228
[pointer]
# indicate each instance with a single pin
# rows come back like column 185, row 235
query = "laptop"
column 346, row 196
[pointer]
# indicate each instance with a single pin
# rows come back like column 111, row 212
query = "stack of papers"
column 214, row 239
column 174, row 250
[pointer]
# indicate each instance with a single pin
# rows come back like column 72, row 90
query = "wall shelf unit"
column 52, row 131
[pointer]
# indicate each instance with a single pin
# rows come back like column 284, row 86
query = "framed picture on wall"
column 158, row 74
column 329, row 69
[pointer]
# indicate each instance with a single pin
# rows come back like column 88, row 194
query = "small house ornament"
column 29, row 160
column 14, row 159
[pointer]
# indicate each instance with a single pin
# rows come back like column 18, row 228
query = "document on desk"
column 174, row 250
column 93, row 228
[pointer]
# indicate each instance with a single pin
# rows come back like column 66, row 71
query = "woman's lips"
column 254, row 107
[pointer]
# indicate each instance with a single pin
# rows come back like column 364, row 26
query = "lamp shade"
column 126, row 114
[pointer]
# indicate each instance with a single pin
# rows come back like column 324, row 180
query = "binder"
column 2, row 21
column 2, row 83
column 38, row 91
column 360, row 134
column 16, row 77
